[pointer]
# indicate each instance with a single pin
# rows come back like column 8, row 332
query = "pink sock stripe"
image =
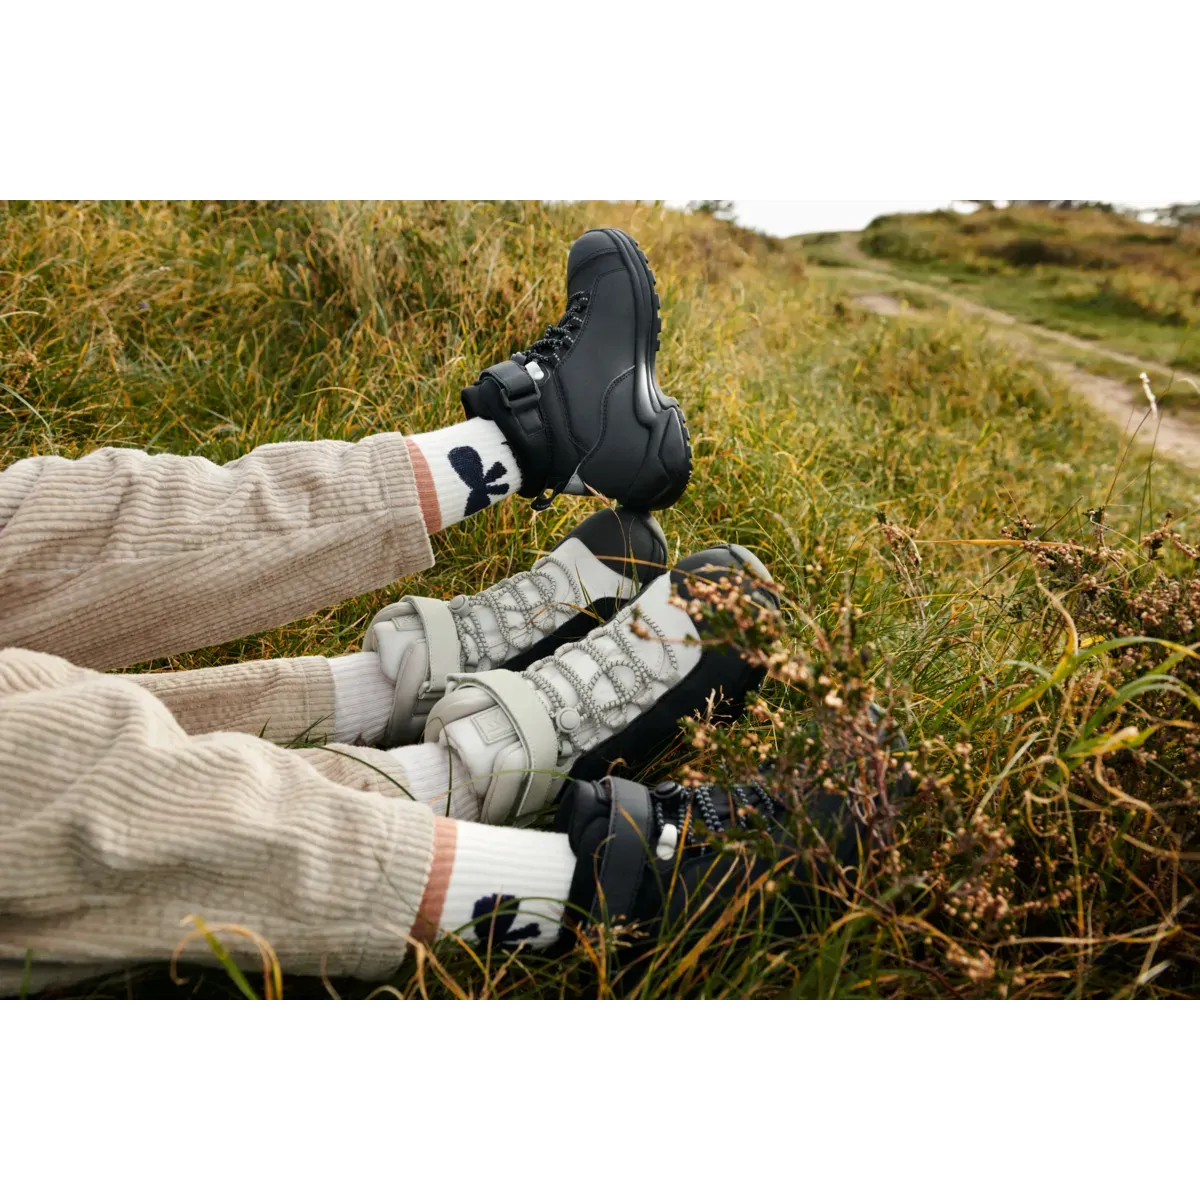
column 429, row 915
column 431, row 512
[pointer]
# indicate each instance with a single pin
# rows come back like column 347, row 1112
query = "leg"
column 383, row 695
column 121, row 556
column 116, row 826
column 283, row 699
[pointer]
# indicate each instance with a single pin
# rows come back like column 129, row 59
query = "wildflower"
column 1150, row 396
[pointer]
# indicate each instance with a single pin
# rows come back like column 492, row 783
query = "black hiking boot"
column 581, row 408
column 655, row 856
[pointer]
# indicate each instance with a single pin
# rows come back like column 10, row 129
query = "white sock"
column 437, row 778
column 517, row 878
column 362, row 699
column 462, row 469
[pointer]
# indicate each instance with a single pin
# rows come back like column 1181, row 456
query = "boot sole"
column 666, row 466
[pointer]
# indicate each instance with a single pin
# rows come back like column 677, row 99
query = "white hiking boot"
column 583, row 581
column 616, row 696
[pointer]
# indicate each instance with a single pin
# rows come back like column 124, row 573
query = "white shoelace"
column 572, row 715
column 537, row 616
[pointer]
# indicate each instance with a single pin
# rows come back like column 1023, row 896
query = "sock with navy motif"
column 461, row 470
column 496, row 883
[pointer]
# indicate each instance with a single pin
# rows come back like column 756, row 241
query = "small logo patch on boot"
column 493, row 725
column 481, row 487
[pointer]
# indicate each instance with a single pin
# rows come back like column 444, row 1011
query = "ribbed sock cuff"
column 436, row 777
column 468, row 466
column 511, row 881
column 362, row 699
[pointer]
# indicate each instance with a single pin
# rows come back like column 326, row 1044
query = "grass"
column 1098, row 275
column 952, row 532
column 1174, row 391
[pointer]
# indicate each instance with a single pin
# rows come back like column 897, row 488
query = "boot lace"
column 612, row 666
column 557, row 339
column 672, row 804
column 538, row 615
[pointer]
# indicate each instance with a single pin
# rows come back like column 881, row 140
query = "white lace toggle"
column 568, row 720
column 667, row 841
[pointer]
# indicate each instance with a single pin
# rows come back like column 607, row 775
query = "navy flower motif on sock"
column 469, row 466
column 493, row 918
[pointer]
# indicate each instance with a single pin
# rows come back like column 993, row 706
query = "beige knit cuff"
column 409, row 543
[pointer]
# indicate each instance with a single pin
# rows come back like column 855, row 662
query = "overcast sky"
column 786, row 217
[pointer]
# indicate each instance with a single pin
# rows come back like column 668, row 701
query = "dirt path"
column 879, row 303
column 1174, row 434
column 864, row 264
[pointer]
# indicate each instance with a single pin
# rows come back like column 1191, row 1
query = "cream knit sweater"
column 122, row 810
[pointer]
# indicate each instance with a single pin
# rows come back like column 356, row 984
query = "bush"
column 897, row 243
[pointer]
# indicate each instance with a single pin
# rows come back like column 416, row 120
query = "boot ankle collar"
column 509, row 395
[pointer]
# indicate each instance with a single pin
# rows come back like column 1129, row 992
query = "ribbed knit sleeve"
column 120, row 556
column 282, row 699
column 116, row 826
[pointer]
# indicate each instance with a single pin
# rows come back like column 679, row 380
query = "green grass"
column 837, row 270
column 824, row 439
column 1097, row 275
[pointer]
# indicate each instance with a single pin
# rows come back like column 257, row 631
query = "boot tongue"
column 480, row 738
column 490, row 751
column 402, row 635
column 509, row 767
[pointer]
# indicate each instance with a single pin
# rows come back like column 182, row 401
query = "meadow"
column 956, row 538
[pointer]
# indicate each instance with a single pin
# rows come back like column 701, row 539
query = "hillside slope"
column 1100, row 275
column 953, row 533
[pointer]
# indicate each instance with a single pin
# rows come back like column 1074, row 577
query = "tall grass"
column 953, row 534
